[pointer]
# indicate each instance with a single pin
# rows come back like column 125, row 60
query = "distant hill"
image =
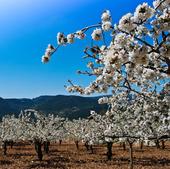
column 72, row 107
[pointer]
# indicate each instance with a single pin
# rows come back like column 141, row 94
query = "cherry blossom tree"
column 136, row 63
column 10, row 131
column 40, row 129
column 75, row 130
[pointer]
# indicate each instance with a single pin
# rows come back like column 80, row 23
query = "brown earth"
column 65, row 156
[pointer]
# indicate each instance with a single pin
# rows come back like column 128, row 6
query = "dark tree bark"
column 38, row 149
column 60, row 141
column 141, row 145
column 86, row 145
column 91, row 148
column 77, row 144
column 131, row 155
column 163, row 144
column 11, row 144
column 109, row 150
column 4, row 147
column 157, row 144
column 46, row 146
column 124, row 146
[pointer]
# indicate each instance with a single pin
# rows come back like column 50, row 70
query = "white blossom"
column 80, row 34
column 70, row 38
column 106, row 16
column 143, row 12
column 49, row 51
column 126, row 23
column 103, row 100
column 97, row 34
column 106, row 26
column 61, row 39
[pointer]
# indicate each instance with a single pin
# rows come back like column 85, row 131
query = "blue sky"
column 28, row 26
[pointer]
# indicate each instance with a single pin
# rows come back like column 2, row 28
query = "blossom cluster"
column 49, row 51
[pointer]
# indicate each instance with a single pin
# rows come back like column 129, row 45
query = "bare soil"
column 65, row 156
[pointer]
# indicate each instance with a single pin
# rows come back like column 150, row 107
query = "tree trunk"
column 109, row 150
column 36, row 147
column 46, row 146
column 163, row 144
column 86, row 145
column 157, row 144
column 124, row 146
column 91, row 148
column 141, row 145
column 4, row 146
column 131, row 155
column 11, row 144
column 38, row 150
column 60, row 141
column 77, row 144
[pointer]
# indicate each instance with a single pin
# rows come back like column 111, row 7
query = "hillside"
column 65, row 106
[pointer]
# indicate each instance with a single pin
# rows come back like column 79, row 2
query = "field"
column 65, row 156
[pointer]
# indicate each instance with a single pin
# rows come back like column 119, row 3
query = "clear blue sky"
column 28, row 26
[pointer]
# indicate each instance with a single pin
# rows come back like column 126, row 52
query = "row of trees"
column 30, row 126
column 129, row 123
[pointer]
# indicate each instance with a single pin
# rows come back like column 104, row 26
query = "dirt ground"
column 66, row 156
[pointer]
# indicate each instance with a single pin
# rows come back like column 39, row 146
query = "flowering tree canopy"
column 37, row 126
column 138, row 56
column 135, row 67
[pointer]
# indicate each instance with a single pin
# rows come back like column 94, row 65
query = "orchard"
column 133, row 74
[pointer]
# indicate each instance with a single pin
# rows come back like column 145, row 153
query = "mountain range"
column 71, row 106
